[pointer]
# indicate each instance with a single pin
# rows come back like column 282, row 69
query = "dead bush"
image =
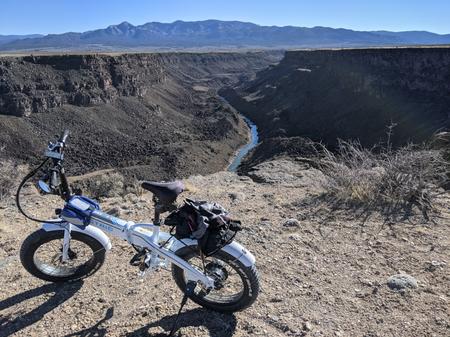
column 10, row 176
column 108, row 185
column 6, row 183
column 103, row 186
column 134, row 186
column 408, row 176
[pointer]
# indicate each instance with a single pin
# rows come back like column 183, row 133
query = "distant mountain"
column 9, row 38
column 214, row 33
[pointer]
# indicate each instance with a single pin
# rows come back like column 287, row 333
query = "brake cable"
column 27, row 177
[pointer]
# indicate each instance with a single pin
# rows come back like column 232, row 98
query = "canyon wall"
column 350, row 94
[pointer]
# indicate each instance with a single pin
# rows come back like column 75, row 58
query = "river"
column 244, row 150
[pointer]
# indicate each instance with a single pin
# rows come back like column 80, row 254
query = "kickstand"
column 190, row 286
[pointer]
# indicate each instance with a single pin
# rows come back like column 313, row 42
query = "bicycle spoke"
column 48, row 257
column 232, row 287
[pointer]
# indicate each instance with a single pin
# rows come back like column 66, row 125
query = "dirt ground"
column 325, row 276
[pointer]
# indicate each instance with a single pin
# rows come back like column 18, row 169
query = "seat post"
column 161, row 207
column 157, row 213
column 157, row 218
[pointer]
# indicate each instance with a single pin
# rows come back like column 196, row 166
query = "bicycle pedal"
column 190, row 287
column 138, row 259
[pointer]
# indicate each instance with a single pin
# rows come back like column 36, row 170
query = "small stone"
column 401, row 282
column 233, row 196
column 295, row 237
column 307, row 326
column 276, row 300
column 291, row 223
column 274, row 318
column 434, row 265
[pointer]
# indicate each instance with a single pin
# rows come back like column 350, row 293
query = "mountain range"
column 10, row 38
column 215, row 33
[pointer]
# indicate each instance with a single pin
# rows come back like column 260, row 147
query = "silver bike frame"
column 141, row 235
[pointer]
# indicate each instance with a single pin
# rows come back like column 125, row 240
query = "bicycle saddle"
column 167, row 193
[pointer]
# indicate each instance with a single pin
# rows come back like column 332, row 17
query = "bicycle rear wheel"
column 237, row 286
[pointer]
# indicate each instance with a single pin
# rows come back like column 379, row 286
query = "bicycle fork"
column 66, row 242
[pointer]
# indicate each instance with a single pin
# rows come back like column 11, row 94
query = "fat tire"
column 38, row 238
column 251, row 284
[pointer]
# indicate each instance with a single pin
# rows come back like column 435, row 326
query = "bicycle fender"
column 235, row 249
column 91, row 231
column 241, row 253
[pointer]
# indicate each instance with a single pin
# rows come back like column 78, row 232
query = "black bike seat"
column 167, row 193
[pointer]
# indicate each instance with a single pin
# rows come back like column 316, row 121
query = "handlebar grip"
column 64, row 136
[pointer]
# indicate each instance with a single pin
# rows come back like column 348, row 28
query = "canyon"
column 326, row 95
column 157, row 114
column 161, row 115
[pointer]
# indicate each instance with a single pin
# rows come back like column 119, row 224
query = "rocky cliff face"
column 35, row 84
column 356, row 94
column 157, row 112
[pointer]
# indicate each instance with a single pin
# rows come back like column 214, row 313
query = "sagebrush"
column 10, row 176
column 6, row 183
column 109, row 185
column 408, row 176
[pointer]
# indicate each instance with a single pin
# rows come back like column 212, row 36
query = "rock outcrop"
column 35, row 84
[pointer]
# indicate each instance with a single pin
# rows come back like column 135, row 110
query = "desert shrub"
column 134, row 186
column 407, row 176
column 108, row 185
column 441, row 141
column 10, row 175
column 104, row 186
column 6, row 183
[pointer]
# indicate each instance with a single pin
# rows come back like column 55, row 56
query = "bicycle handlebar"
column 59, row 186
column 64, row 136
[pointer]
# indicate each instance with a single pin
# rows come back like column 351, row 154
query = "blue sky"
column 57, row 16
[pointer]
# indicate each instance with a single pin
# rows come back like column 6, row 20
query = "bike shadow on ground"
column 217, row 324
column 97, row 330
column 14, row 322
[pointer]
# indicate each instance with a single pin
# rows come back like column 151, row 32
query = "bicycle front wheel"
column 41, row 256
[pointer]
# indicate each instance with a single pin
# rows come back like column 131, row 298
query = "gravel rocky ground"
column 324, row 271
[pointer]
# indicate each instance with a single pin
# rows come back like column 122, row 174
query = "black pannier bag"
column 209, row 223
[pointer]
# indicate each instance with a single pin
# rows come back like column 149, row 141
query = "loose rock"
column 291, row 223
column 401, row 282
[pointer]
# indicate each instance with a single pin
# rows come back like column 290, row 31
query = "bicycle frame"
column 144, row 235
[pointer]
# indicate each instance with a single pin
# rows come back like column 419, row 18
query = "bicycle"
column 74, row 245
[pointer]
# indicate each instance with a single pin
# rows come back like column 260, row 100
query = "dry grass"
column 10, row 176
column 399, row 179
column 102, row 186
column 6, row 183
